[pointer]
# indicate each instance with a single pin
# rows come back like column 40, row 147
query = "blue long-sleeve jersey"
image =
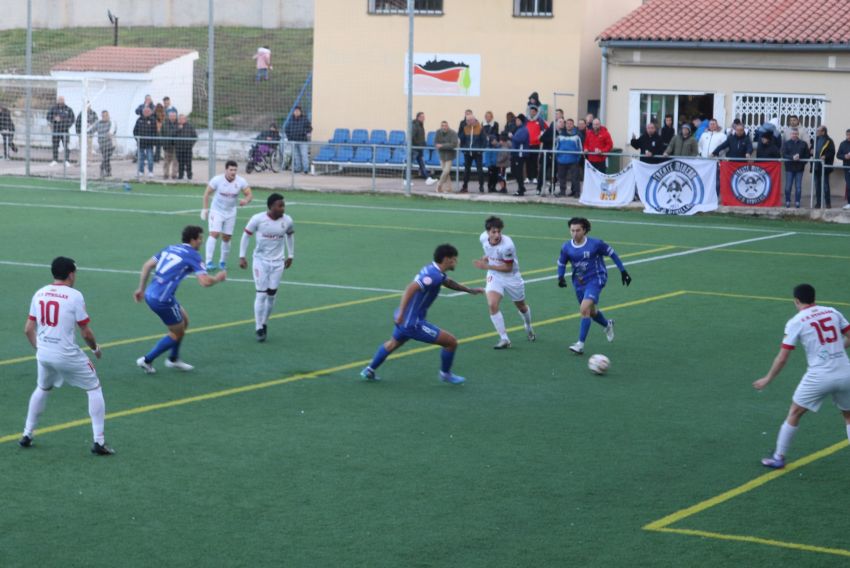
column 588, row 260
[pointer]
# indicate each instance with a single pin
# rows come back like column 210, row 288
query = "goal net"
column 46, row 134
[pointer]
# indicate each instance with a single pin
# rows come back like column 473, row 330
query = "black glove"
column 562, row 282
column 626, row 278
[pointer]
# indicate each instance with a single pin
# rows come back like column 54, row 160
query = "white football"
column 598, row 364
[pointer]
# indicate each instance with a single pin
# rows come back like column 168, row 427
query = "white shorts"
column 812, row 391
column 78, row 371
column 512, row 286
column 267, row 275
column 222, row 222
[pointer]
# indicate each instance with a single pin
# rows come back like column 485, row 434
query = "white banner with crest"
column 677, row 187
column 607, row 190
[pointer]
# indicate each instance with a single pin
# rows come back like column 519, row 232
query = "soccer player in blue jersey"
column 410, row 322
column 169, row 266
column 587, row 255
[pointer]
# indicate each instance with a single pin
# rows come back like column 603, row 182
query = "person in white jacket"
column 711, row 139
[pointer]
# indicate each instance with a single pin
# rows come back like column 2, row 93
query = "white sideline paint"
column 285, row 282
column 660, row 257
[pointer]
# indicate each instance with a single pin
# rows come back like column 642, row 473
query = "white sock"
column 499, row 323
column 260, row 308
column 210, row 250
column 526, row 318
column 38, row 400
column 97, row 411
column 848, row 431
column 783, row 440
column 225, row 250
column 269, row 305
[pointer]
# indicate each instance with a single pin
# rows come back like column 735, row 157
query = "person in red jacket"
column 536, row 126
column 597, row 142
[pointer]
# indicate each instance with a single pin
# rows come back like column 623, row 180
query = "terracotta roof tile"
column 121, row 59
column 735, row 21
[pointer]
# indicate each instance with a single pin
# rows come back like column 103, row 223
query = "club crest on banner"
column 674, row 189
column 607, row 189
column 750, row 185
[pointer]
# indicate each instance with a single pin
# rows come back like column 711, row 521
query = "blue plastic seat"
column 344, row 154
column 382, row 155
column 359, row 136
column 399, row 156
column 429, row 140
column 363, row 155
column 397, row 138
column 341, row 136
column 326, row 154
column 378, row 137
column 432, row 157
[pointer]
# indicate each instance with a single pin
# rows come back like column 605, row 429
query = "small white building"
column 121, row 77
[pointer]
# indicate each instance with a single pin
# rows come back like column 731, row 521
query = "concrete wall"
column 162, row 13
column 359, row 60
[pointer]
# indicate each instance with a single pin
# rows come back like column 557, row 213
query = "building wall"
column 55, row 14
column 359, row 62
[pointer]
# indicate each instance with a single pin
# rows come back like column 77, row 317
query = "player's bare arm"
column 452, row 285
column 29, row 331
column 411, row 289
column 88, row 336
column 205, row 280
column 205, row 208
column 775, row 368
column 143, row 279
column 483, row 264
column 249, row 196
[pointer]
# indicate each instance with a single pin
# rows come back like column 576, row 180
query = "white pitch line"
column 248, row 280
column 85, row 208
column 660, row 257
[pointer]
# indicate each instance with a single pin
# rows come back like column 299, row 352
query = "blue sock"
column 600, row 319
column 164, row 345
column 175, row 351
column 380, row 357
column 446, row 359
column 583, row 329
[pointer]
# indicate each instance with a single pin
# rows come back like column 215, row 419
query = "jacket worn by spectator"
column 167, row 134
column 735, row 146
column 6, row 123
column 569, row 147
column 91, row 119
column 667, row 134
column 490, row 129
column 472, row 137
column 520, row 139
column 843, row 150
column 597, row 141
column 709, row 141
column 448, row 141
column 66, row 118
column 536, row 127
column 768, row 151
column 186, row 137
column 141, row 108
column 417, row 137
column 298, row 128
column 791, row 148
column 825, row 150
column 652, row 144
column 685, row 147
column 145, row 131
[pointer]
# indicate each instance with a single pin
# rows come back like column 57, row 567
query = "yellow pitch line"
column 664, row 522
column 785, row 253
column 313, row 374
column 753, row 297
column 758, row 540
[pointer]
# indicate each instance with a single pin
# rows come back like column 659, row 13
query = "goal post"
column 25, row 104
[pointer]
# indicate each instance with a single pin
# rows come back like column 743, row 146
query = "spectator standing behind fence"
column 418, row 141
column 491, row 159
column 91, row 118
column 297, row 132
column 767, row 148
column 148, row 103
column 682, row 144
column 794, row 122
column 445, row 141
column 186, row 138
column 649, row 145
column 737, row 145
column 519, row 145
column 61, row 118
column 710, row 139
column 169, row 146
column 843, row 154
column 263, row 57
column 546, row 159
column 105, row 130
column 536, row 126
column 510, row 125
column 145, row 133
column 569, row 146
column 168, row 107
column 490, row 126
column 596, row 143
column 794, row 151
column 7, row 129
column 825, row 152
column 668, row 131
column 159, row 115
column 473, row 142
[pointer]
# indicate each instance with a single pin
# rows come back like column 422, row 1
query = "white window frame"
column 536, row 12
column 635, row 110
column 374, row 10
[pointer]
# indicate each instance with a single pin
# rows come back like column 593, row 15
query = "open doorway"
column 655, row 106
column 691, row 106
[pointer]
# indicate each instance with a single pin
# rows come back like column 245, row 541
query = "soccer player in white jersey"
column 503, row 278
column 225, row 189
column 55, row 311
column 272, row 230
column 825, row 334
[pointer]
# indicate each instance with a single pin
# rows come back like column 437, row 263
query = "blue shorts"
column 169, row 312
column 590, row 291
column 423, row 331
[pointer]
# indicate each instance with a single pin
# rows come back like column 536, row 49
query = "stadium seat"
column 378, row 137
column 397, row 138
column 382, row 155
column 432, row 158
column 399, row 156
column 326, row 154
column 363, row 155
column 429, row 140
column 344, row 154
column 341, row 136
column 359, row 136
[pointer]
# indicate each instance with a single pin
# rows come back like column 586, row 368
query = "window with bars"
column 426, row 7
column 533, row 8
column 754, row 109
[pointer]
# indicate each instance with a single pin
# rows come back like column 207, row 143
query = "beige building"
column 511, row 48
